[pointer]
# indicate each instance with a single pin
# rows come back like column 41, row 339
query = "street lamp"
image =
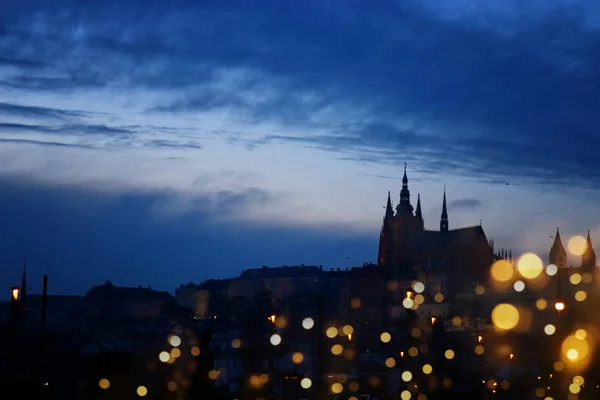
column 272, row 318
column 410, row 294
column 559, row 306
column 15, row 293
column 479, row 339
column 433, row 320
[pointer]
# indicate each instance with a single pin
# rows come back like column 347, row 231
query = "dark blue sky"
column 172, row 141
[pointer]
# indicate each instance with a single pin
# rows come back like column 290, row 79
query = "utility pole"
column 43, row 337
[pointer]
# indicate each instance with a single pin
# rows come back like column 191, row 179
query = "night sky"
column 158, row 143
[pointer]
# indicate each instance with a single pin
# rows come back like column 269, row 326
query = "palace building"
column 405, row 245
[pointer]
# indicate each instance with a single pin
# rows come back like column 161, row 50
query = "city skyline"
column 162, row 144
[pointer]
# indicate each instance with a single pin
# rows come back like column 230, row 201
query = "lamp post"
column 15, row 307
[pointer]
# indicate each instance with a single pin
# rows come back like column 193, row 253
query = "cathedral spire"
column 23, row 294
column 404, row 207
column 558, row 255
column 389, row 210
column 418, row 212
column 588, row 258
column 444, row 218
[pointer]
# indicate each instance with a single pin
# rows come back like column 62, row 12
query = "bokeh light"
column 577, row 245
column 385, row 337
column 551, row 269
column 407, row 376
column 174, row 340
column 104, row 383
column 141, row 391
column 519, row 286
column 502, row 271
column 306, row 383
column 331, row 332
column 275, row 339
column 308, row 323
column 530, row 266
column 505, row 316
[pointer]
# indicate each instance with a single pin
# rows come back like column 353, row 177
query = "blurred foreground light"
column 530, row 266
column 449, row 354
column 104, row 383
column 419, row 287
column 407, row 376
column 439, row 298
column 575, row 349
column 174, row 340
column 405, row 395
column 347, row 330
column 337, row 388
column 331, row 332
column 551, row 269
column 427, row 369
column 559, row 306
column 577, row 245
column 505, row 316
column 306, row 383
column 164, row 356
column 502, row 271
column 308, row 323
column 580, row 295
column 519, row 286
column 275, row 339
column 549, row 329
column 195, row 351
column 385, row 337
column 142, row 391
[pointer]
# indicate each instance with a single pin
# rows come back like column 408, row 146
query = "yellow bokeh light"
column 457, row 321
column 141, row 391
column 236, row 343
column 347, row 330
column 549, row 329
column 306, row 383
column 164, row 356
column 575, row 279
column 406, row 376
column 541, row 304
column 337, row 388
column 419, row 299
column 104, row 383
column 575, row 349
column 390, row 362
column 580, row 334
column 449, row 354
column 195, row 351
column 530, row 266
column 427, row 369
column 577, row 245
column 413, row 351
column 405, row 395
column 587, row 277
column 578, row 379
column 479, row 289
column 574, row 388
column 337, row 349
column 551, row 269
column 439, row 298
column 580, row 295
column 502, row 271
column 275, row 339
column 308, row 323
column 408, row 303
column 175, row 352
column 505, row 316
column 297, row 357
column 385, row 337
column 212, row 375
column 331, row 332
column 479, row 349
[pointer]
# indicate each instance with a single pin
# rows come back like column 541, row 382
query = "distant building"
column 406, row 245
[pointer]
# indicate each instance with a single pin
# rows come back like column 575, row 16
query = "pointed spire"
column 444, row 218
column 404, row 207
column 558, row 255
column 418, row 212
column 23, row 294
column 389, row 210
column 588, row 258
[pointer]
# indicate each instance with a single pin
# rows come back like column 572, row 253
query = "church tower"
column 558, row 255
column 385, row 237
column 444, row 217
column 404, row 207
column 588, row 258
column 419, row 214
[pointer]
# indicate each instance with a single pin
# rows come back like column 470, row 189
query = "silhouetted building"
column 406, row 245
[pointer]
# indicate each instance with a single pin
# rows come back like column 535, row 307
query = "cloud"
column 465, row 204
column 11, row 109
column 449, row 83
column 83, row 237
